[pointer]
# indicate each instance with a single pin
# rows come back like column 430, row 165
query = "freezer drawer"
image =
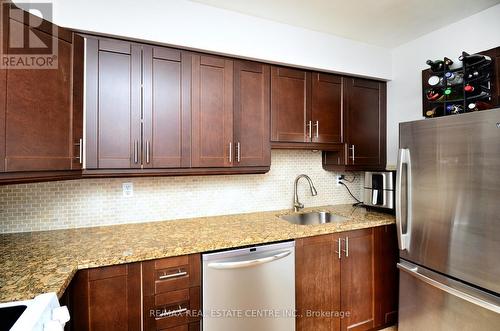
column 250, row 289
column 429, row 301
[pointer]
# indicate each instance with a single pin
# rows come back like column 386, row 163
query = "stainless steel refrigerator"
column 448, row 220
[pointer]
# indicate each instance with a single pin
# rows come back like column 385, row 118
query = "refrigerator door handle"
column 403, row 238
column 442, row 283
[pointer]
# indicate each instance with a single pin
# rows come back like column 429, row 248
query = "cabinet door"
column 252, row 114
column 166, row 108
column 365, row 112
column 212, row 112
column 317, row 279
column 357, row 280
column 106, row 299
column 3, row 91
column 386, row 275
column 113, row 108
column 290, row 105
column 326, row 108
column 38, row 111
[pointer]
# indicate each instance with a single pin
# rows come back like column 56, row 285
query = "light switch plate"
column 128, row 190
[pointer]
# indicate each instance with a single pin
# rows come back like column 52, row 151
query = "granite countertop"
column 38, row 262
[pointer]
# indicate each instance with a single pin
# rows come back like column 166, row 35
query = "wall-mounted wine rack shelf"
column 449, row 89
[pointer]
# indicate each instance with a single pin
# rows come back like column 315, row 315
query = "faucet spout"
column 297, row 205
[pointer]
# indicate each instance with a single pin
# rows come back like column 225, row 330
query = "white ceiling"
column 386, row 23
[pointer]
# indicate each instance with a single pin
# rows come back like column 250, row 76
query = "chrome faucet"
column 296, row 204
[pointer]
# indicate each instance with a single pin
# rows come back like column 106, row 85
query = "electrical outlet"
column 338, row 178
column 128, row 190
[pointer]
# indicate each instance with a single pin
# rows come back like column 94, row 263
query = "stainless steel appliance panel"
column 448, row 196
column 429, row 301
column 250, row 289
column 378, row 189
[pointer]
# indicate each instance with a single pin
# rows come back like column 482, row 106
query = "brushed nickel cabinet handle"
column 309, row 125
column 353, row 152
column 148, row 149
column 339, row 248
column 171, row 313
column 230, row 152
column 238, row 152
column 136, row 159
column 346, row 250
column 80, row 151
column 317, row 129
column 177, row 274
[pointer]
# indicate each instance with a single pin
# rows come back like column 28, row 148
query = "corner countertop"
column 33, row 263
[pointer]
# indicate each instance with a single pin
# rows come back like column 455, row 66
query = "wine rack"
column 449, row 90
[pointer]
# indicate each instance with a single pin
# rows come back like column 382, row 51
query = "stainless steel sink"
column 312, row 218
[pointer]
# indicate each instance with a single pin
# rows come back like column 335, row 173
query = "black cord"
column 358, row 202
column 350, row 181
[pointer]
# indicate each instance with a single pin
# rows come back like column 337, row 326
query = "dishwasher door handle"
column 249, row 263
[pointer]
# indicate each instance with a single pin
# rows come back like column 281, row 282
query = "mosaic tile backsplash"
column 94, row 202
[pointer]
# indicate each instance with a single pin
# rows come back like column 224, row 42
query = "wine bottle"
column 473, row 59
column 433, row 94
column 439, row 65
column 454, row 109
column 476, row 91
column 435, row 112
column 435, row 80
column 478, row 105
column 469, row 88
column 473, row 74
column 454, row 78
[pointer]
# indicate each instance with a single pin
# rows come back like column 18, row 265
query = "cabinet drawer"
column 172, row 279
column 173, row 309
column 172, row 297
column 191, row 327
column 171, row 274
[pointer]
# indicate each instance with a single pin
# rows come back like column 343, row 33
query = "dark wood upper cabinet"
column 166, row 108
column 326, row 110
column 290, row 105
column 41, row 108
column 364, row 127
column 252, row 114
column 212, row 112
column 365, row 121
column 113, row 109
column 306, row 109
column 38, row 113
column 3, row 92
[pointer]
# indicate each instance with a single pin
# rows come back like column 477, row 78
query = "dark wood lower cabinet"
column 347, row 281
column 344, row 281
column 106, row 299
column 386, row 275
column 357, row 280
column 172, row 293
column 159, row 295
column 317, row 278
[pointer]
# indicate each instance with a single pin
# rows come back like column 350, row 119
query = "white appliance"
column 250, row 289
column 43, row 313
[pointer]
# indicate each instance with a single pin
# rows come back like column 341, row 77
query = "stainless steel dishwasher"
column 250, row 289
